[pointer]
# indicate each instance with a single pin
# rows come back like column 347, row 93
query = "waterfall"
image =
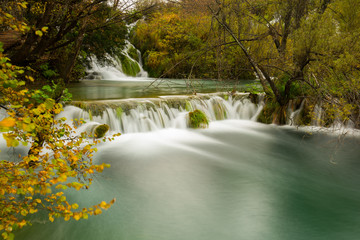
column 143, row 115
column 295, row 113
column 127, row 66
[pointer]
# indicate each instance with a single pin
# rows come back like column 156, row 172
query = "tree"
column 290, row 43
column 71, row 27
column 168, row 37
column 57, row 159
column 177, row 42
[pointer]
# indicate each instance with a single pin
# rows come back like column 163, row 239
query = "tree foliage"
column 168, row 38
column 58, row 158
column 63, row 34
column 297, row 49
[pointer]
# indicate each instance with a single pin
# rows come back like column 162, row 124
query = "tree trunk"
column 65, row 72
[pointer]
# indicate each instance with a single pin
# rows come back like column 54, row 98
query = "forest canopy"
column 296, row 49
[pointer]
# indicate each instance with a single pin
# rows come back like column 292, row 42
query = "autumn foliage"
column 57, row 159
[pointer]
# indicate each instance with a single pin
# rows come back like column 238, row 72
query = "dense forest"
column 299, row 50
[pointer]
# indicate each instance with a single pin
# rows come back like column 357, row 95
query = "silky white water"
column 236, row 180
column 143, row 115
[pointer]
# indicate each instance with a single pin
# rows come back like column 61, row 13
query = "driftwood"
column 10, row 38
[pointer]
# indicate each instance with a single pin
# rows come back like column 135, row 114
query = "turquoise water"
column 237, row 180
column 146, row 87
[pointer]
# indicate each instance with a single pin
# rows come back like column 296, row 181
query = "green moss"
column 133, row 54
column 129, row 67
column 198, row 119
column 188, row 106
column 119, row 112
column 100, row 130
column 90, row 115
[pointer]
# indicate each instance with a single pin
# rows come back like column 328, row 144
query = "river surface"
column 150, row 87
column 236, row 180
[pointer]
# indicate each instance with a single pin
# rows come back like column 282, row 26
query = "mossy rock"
column 129, row 67
column 101, row 130
column 133, row 54
column 198, row 119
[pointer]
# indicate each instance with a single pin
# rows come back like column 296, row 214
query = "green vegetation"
column 198, row 119
column 43, row 46
column 133, row 54
column 129, row 67
column 296, row 48
column 101, row 130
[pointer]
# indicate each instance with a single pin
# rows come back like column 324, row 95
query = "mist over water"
column 236, row 180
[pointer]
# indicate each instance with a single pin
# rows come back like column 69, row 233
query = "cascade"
column 143, row 115
column 127, row 66
column 294, row 113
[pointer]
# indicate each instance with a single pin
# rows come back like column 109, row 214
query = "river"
column 236, row 180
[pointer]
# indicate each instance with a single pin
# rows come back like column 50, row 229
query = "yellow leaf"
column 8, row 15
column 75, row 206
column 10, row 140
column 62, row 178
column 28, row 127
column 97, row 211
column 22, row 223
column 104, row 205
column 39, row 33
column 77, row 216
column 32, row 211
column 24, row 212
column 7, row 122
column 30, row 190
column 67, row 218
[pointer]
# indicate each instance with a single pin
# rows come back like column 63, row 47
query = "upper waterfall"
column 127, row 66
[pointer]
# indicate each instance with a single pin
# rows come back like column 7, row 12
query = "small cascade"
column 295, row 113
column 133, row 56
column 110, row 72
column 144, row 115
column 127, row 66
column 318, row 115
